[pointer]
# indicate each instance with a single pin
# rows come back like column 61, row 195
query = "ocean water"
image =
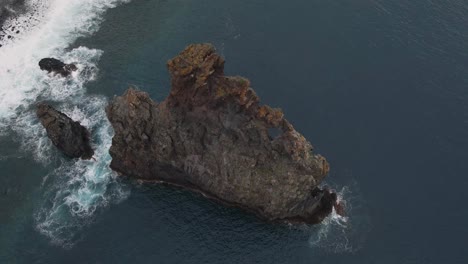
column 379, row 87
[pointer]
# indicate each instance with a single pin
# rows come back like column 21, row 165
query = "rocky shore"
column 9, row 9
column 212, row 135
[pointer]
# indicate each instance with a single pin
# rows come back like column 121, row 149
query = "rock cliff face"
column 212, row 135
column 67, row 135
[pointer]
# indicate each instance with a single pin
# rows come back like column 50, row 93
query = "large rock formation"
column 212, row 135
column 67, row 135
column 57, row 66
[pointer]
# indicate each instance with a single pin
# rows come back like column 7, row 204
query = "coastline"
column 9, row 9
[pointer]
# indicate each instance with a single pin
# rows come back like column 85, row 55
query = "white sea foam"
column 60, row 23
column 343, row 234
column 75, row 190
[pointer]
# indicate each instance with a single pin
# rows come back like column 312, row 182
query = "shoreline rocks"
column 212, row 135
column 71, row 138
column 57, row 66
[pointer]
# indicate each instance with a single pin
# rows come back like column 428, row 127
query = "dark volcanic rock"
column 67, row 135
column 56, row 66
column 212, row 135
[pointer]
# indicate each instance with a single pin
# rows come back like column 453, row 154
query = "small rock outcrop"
column 212, row 135
column 9, row 9
column 57, row 66
column 67, row 135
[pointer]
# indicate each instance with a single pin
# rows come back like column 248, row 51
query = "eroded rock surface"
column 57, row 66
column 211, row 134
column 67, row 135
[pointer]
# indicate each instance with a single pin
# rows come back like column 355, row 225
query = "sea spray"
column 60, row 24
column 75, row 190
column 21, row 19
column 343, row 233
column 78, row 189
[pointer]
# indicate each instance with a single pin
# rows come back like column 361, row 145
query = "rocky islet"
column 69, row 136
column 212, row 135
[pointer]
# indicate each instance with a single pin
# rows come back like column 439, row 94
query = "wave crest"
column 76, row 190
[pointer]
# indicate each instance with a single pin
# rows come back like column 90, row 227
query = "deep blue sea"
column 380, row 88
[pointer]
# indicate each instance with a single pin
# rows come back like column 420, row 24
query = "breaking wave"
column 343, row 234
column 76, row 190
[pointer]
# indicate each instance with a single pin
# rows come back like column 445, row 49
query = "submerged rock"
column 56, row 66
column 212, row 135
column 67, row 135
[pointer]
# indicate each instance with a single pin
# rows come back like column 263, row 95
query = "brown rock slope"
column 212, row 135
